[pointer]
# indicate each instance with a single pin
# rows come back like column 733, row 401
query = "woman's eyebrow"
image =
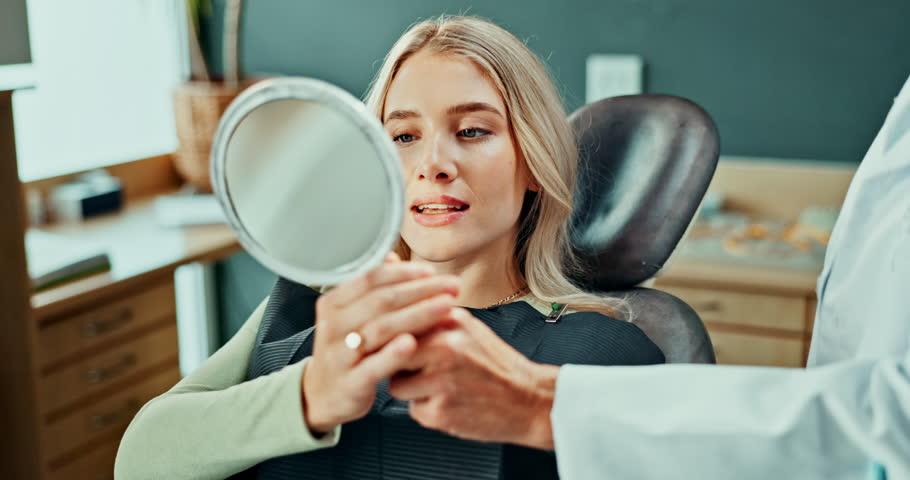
column 401, row 115
column 459, row 109
column 471, row 107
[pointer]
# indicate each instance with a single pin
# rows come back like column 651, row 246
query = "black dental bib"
column 387, row 443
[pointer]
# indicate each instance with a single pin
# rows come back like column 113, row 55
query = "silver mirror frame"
column 299, row 88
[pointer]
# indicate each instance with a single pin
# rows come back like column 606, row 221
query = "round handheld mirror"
column 309, row 180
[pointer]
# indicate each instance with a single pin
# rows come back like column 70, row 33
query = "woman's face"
column 464, row 180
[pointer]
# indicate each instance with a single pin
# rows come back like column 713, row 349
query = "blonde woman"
column 489, row 160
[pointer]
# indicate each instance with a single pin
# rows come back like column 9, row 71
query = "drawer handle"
column 711, row 306
column 104, row 420
column 102, row 374
column 95, row 328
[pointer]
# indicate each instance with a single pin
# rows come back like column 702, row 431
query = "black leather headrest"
column 645, row 164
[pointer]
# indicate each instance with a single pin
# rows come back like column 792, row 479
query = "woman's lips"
column 434, row 210
column 437, row 219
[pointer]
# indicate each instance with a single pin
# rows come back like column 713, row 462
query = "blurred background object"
column 90, row 194
column 200, row 101
column 55, row 259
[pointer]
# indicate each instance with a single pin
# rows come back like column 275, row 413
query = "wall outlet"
column 609, row 75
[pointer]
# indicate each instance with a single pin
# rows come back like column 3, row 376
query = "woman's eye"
column 472, row 132
column 403, row 138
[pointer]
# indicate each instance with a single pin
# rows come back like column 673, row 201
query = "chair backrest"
column 670, row 323
column 645, row 164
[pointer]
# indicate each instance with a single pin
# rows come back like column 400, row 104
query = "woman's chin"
column 437, row 250
column 434, row 254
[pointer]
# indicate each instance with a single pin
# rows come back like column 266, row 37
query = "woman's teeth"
column 432, row 208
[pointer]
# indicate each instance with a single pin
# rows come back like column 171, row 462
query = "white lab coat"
column 848, row 411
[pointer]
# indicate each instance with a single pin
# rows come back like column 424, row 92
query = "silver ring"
column 353, row 340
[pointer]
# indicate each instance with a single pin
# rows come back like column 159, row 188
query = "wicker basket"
column 198, row 107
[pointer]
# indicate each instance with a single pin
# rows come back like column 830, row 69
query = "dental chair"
column 645, row 163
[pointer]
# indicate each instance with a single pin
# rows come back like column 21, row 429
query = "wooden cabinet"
column 758, row 314
column 85, row 356
column 772, row 313
column 97, row 464
column 97, row 365
column 749, row 328
column 66, row 385
column 754, row 349
column 106, row 323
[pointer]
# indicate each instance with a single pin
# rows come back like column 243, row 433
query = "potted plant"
column 200, row 101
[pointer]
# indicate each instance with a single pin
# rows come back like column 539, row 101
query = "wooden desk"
column 141, row 252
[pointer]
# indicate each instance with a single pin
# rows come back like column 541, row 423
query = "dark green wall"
column 784, row 78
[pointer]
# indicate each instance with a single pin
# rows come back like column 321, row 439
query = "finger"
column 435, row 351
column 416, row 319
column 427, row 412
column 384, row 363
column 480, row 345
column 389, row 298
column 476, row 329
column 385, row 274
column 392, row 257
column 413, row 386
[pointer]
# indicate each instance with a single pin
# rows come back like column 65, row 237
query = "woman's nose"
column 437, row 164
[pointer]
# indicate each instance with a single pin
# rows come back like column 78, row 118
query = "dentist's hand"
column 387, row 306
column 468, row 382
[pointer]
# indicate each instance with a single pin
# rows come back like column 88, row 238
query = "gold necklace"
column 504, row 300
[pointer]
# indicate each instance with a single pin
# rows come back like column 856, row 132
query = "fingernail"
column 403, row 342
column 444, row 304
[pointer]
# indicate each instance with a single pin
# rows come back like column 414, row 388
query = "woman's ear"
column 533, row 186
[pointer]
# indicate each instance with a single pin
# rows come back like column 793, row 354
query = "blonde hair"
column 543, row 135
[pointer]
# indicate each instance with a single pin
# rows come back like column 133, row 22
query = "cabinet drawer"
column 98, row 464
column 748, row 309
column 97, row 372
column 743, row 349
column 104, row 417
column 114, row 319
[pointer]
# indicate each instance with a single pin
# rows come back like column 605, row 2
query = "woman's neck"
column 487, row 276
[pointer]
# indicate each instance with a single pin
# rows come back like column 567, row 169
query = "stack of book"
column 54, row 259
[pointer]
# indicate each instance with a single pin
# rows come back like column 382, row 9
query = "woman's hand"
column 387, row 306
column 471, row 384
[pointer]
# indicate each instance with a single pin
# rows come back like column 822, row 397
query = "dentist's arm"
column 709, row 422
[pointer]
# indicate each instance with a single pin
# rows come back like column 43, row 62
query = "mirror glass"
column 309, row 179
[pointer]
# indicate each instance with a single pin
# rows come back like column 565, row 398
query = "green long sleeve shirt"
column 213, row 423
